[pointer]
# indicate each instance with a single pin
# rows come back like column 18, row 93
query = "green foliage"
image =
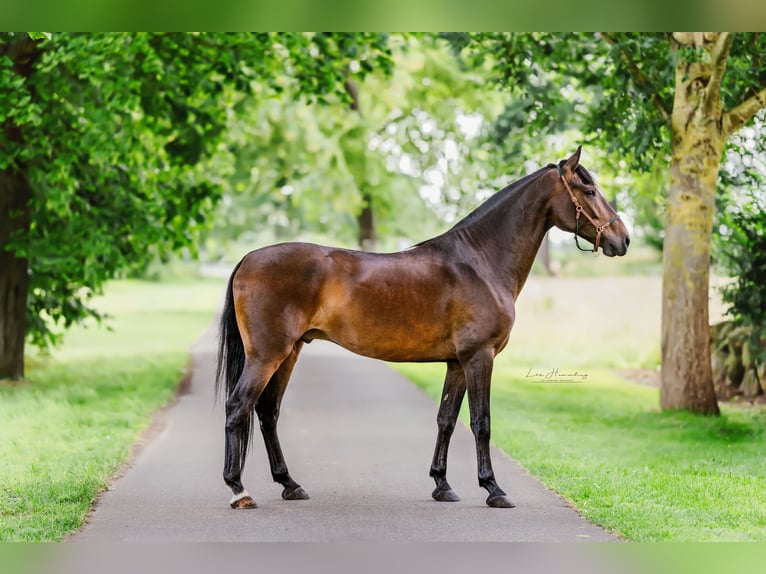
column 745, row 73
column 745, row 259
column 121, row 140
column 300, row 169
column 579, row 88
column 646, row 197
column 615, row 89
column 582, row 80
column 740, row 230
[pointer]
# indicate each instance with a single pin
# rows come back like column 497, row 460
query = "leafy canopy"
column 118, row 132
column 297, row 169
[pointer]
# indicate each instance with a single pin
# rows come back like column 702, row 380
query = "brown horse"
column 451, row 299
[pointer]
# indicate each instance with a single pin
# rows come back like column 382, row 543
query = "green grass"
column 603, row 443
column 68, row 429
column 643, row 474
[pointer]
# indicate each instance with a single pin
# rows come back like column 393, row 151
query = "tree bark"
column 544, row 256
column 687, row 378
column 15, row 221
column 14, row 277
column 698, row 143
column 368, row 240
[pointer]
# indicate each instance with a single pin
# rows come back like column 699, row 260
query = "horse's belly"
column 395, row 348
column 389, row 335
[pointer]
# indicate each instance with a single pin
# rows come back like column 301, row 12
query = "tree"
column 680, row 96
column 355, row 168
column 104, row 144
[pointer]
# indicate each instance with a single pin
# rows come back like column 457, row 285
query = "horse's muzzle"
column 617, row 246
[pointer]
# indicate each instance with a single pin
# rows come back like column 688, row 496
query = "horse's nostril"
column 627, row 241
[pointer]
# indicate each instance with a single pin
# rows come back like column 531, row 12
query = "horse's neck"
column 506, row 239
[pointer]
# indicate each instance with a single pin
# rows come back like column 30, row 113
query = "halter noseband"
column 579, row 210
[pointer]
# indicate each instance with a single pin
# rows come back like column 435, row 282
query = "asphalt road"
column 357, row 436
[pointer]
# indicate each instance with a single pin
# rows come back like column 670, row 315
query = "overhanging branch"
column 741, row 114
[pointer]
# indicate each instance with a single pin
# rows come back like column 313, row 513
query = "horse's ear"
column 573, row 160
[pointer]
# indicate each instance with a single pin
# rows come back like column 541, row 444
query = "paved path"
column 357, row 436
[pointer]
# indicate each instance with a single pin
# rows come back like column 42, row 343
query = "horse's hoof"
column 500, row 501
column 445, row 495
column 242, row 501
column 296, row 493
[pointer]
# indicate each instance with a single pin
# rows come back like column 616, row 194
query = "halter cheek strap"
column 578, row 211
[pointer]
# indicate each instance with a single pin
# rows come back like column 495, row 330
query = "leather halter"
column 579, row 210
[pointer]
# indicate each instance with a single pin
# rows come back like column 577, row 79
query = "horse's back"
column 282, row 262
column 414, row 305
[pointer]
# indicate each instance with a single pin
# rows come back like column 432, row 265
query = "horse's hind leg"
column 449, row 407
column 267, row 408
column 239, row 425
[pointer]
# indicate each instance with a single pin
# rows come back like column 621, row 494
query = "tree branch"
column 741, row 114
column 392, row 121
column 23, row 52
column 718, row 54
column 643, row 82
column 352, row 89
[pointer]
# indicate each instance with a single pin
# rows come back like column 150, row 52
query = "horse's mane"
column 492, row 202
column 498, row 197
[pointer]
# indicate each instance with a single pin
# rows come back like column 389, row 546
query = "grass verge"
column 68, row 429
column 641, row 473
column 603, row 442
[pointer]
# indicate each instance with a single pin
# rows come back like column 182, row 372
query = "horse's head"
column 578, row 205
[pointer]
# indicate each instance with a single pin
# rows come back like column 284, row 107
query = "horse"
column 449, row 299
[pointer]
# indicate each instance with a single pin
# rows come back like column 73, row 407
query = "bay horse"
column 448, row 299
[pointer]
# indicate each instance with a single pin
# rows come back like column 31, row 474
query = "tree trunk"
column 15, row 220
column 698, row 142
column 368, row 240
column 687, row 378
column 544, row 255
column 14, row 277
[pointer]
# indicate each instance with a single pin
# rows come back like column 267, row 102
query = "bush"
column 745, row 258
column 738, row 348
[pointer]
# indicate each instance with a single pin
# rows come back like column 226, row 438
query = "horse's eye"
column 590, row 192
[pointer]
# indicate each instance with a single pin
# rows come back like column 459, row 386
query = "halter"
column 579, row 210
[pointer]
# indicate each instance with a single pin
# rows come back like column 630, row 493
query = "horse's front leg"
column 449, row 407
column 478, row 376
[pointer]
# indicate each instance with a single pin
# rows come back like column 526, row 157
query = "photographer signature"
column 556, row 376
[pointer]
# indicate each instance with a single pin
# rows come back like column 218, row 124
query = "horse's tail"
column 231, row 361
column 231, row 351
